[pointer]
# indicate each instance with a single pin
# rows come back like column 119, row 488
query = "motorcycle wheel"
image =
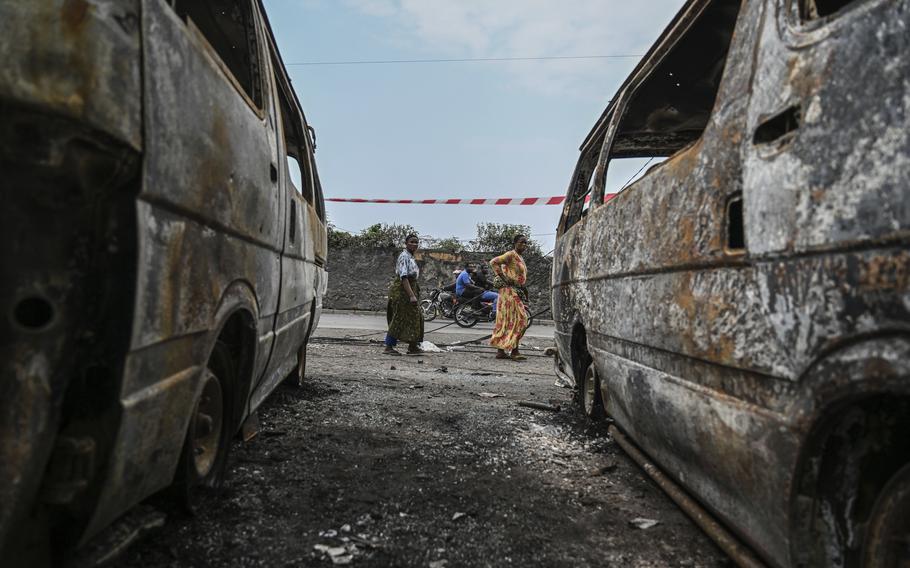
column 465, row 316
column 428, row 309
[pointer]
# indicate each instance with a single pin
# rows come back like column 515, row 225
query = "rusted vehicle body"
column 742, row 311
column 163, row 249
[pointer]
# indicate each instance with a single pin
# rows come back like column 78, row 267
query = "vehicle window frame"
column 198, row 36
column 581, row 186
column 628, row 95
column 303, row 152
column 797, row 32
column 317, row 187
column 603, row 165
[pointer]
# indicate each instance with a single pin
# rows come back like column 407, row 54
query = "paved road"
column 378, row 323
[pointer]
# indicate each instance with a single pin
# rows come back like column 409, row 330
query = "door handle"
column 778, row 125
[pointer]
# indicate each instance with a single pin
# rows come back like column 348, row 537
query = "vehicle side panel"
column 70, row 138
column 700, row 351
column 210, row 218
column 305, row 239
column 840, row 178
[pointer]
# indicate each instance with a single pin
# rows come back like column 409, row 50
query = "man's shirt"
column 464, row 279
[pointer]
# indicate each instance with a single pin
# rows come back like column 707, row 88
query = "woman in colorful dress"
column 403, row 312
column 511, row 316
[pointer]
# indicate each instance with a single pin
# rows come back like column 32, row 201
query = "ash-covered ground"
column 427, row 461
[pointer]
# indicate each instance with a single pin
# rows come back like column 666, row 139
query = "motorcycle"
column 440, row 303
column 468, row 313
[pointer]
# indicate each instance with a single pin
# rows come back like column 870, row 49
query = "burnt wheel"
column 208, row 434
column 591, row 400
column 206, row 425
column 887, row 542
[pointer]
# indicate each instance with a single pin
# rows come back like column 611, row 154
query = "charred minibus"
column 163, row 253
column 742, row 309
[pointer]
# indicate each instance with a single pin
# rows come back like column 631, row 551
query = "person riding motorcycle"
column 468, row 290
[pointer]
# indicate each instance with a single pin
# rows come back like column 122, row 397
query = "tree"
column 339, row 238
column 381, row 235
column 497, row 237
column 449, row 244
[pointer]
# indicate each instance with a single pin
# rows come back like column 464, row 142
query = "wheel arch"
column 855, row 412
column 235, row 325
column 580, row 354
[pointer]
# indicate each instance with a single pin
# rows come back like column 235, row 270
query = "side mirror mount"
column 312, row 132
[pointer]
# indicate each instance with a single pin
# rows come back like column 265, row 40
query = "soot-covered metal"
column 156, row 252
column 744, row 307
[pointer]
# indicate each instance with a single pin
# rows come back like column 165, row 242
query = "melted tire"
column 592, row 404
column 188, row 479
column 887, row 540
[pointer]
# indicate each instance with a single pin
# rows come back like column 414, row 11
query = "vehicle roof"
column 278, row 62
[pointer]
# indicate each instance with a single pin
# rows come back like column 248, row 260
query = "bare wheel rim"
column 590, row 393
column 208, row 419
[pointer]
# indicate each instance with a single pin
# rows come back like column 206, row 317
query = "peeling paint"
column 714, row 359
column 148, row 211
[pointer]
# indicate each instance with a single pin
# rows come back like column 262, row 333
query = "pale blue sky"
column 441, row 130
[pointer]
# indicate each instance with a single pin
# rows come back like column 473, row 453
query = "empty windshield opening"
column 670, row 108
column 228, row 27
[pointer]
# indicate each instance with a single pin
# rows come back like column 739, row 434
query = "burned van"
column 742, row 310
column 163, row 250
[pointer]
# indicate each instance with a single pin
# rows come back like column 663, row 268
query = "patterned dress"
column 405, row 319
column 511, row 316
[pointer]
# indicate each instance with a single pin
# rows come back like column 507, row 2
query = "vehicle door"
column 679, row 321
column 826, row 166
column 209, row 224
column 566, row 257
column 211, row 204
column 302, row 246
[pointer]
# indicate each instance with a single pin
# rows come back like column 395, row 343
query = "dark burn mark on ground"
column 396, row 464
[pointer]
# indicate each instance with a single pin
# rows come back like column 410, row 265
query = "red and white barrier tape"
column 557, row 200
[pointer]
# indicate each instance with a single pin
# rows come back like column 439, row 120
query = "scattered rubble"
column 490, row 395
column 642, row 523
column 539, row 405
column 374, row 473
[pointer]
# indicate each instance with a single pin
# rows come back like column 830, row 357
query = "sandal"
column 390, row 351
column 415, row 352
column 516, row 356
column 502, row 356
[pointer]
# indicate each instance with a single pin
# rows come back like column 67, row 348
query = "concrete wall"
column 359, row 277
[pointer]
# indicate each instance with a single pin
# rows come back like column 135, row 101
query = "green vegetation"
column 491, row 237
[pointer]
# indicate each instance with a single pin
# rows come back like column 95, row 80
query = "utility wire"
column 462, row 60
column 635, row 174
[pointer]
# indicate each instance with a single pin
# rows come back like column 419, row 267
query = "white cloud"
column 530, row 28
